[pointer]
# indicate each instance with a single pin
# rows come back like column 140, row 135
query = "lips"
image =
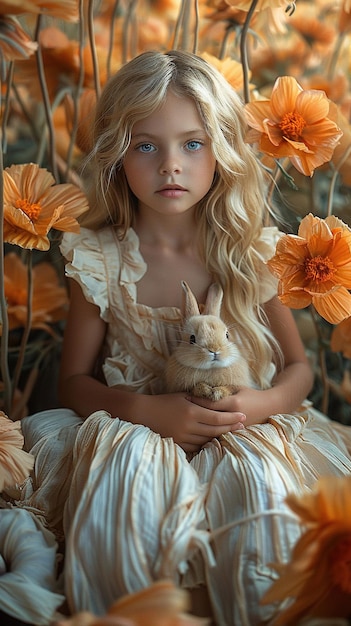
column 171, row 191
column 171, row 188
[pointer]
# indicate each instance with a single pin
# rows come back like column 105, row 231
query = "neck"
column 176, row 232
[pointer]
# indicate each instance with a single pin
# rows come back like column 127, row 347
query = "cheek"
column 134, row 174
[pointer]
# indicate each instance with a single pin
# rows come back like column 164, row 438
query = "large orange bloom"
column 50, row 299
column 314, row 267
column 161, row 604
column 33, row 204
column 318, row 576
column 15, row 463
column 294, row 123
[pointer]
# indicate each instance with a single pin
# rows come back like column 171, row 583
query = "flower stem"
column 93, row 47
column 46, row 100
column 243, row 50
column 27, row 328
column 5, row 374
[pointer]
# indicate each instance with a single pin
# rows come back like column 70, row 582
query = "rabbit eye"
column 227, row 334
column 192, row 339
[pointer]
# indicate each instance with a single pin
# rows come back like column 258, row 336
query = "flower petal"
column 334, row 306
column 313, row 105
column 284, row 94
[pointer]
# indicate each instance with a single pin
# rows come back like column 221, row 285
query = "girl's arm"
column 170, row 415
column 290, row 387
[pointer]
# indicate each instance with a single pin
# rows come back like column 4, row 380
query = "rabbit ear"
column 189, row 306
column 214, row 300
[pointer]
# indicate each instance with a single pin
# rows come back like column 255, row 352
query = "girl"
column 166, row 485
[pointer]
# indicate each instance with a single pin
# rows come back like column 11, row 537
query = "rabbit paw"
column 203, row 390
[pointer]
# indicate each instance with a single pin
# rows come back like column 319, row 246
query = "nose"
column 170, row 164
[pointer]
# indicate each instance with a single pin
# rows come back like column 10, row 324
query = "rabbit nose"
column 215, row 355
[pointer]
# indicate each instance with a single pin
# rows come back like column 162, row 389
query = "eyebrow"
column 187, row 133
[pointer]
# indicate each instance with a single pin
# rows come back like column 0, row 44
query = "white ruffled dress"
column 132, row 507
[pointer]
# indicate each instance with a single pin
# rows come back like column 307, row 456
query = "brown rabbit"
column 206, row 363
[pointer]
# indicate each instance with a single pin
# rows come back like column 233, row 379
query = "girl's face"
column 169, row 164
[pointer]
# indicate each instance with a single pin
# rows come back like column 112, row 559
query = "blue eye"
column 146, row 147
column 194, row 145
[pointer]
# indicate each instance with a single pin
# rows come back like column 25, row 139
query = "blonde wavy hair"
column 231, row 215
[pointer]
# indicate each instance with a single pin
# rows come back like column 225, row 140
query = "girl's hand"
column 188, row 423
column 253, row 403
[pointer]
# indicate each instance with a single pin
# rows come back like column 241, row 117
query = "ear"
column 189, row 305
column 214, row 300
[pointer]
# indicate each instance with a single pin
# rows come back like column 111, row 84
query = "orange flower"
column 49, row 302
column 161, row 604
column 15, row 463
column 86, row 112
column 65, row 9
column 60, row 59
column 294, row 123
column 33, row 205
column 14, row 41
column 340, row 340
column 318, row 576
column 232, row 70
column 313, row 26
column 314, row 267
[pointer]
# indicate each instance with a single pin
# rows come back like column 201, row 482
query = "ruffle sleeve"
column 86, row 263
column 266, row 248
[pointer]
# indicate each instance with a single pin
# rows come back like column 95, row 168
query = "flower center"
column 319, row 269
column 31, row 209
column 292, row 125
column 340, row 564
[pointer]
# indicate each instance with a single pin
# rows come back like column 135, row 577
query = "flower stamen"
column 31, row 209
column 319, row 269
column 292, row 125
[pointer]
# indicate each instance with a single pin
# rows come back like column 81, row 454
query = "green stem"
column 77, row 91
column 243, row 50
column 46, row 99
column 111, row 40
column 93, row 47
column 334, row 178
column 6, row 112
column 27, row 328
column 322, row 363
column 5, row 374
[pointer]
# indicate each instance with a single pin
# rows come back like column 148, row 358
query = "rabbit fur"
column 206, row 363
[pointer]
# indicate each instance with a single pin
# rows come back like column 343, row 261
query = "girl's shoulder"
column 99, row 245
column 101, row 262
column 87, row 241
